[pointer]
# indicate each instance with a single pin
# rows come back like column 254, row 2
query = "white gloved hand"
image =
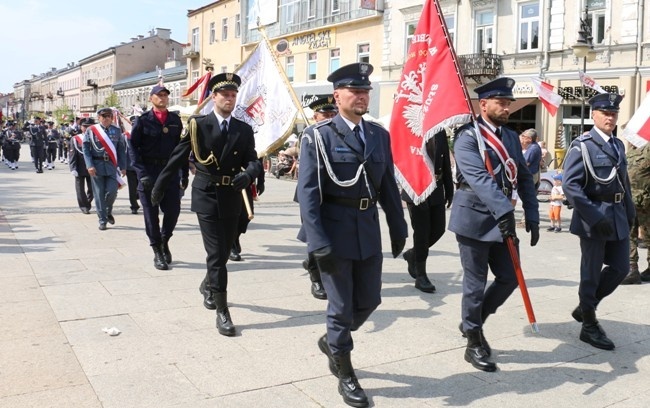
column 74, row 173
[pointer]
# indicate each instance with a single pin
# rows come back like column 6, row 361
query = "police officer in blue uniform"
column 153, row 138
column 324, row 108
column 226, row 162
column 37, row 143
column 82, row 180
column 346, row 168
column 482, row 215
column 596, row 183
column 100, row 165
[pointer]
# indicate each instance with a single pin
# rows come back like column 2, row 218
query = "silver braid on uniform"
column 589, row 166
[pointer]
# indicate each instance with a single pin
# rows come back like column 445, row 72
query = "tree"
column 63, row 114
column 113, row 101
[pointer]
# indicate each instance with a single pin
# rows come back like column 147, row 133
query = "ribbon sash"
column 106, row 142
column 502, row 153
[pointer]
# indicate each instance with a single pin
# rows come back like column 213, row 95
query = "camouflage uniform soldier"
column 639, row 170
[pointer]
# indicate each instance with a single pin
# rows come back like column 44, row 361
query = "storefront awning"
column 514, row 106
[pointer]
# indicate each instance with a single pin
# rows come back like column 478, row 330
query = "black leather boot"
column 224, row 322
column 634, row 277
column 166, row 252
column 349, row 387
column 208, row 300
column 159, row 258
column 486, row 346
column 325, row 349
column 422, row 282
column 592, row 333
column 475, row 353
column 409, row 257
column 317, row 289
column 577, row 314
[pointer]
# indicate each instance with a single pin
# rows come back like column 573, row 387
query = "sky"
column 36, row 35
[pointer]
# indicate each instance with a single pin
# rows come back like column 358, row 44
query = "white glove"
column 74, row 173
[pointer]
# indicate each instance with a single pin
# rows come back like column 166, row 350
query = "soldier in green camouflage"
column 638, row 166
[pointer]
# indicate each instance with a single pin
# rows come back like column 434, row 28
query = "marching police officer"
column 596, row 183
column 221, row 146
column 346, row 168
column 53, row 137
column 37, row 143
column 82, row 180
column 482, row 215
column 153, row 138
column 324, row 108
column 104, row 150
column 428, row 218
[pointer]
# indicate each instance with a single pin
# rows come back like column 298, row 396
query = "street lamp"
column 584, row 48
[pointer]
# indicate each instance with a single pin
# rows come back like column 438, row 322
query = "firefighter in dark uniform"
column 596, row 183
column 37, row 143
column 323, row 108
column 82, row 182
column 153, row 138
column 482, row 215
column 346, row 169
column 428, row 218
column 226, row 163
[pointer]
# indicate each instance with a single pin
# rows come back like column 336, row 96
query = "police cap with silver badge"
column 88, row 122
column 325, row 104
column 355, row 75
column 607, row 102
column 224, row 81
column 500, row 88
column 105, row 111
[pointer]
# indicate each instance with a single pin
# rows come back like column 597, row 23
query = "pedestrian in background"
column 555, row 205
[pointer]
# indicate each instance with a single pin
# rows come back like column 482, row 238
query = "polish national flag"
column 589, row 82
column 550, row 99
column 637, row 130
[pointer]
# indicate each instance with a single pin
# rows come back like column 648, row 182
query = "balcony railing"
column 480, row 66
column 189, row 51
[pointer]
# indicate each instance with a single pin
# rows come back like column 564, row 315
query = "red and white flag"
column 431, row 95
column 589, row 82
column 550, row 99
column 203, row 84
column 637, row 130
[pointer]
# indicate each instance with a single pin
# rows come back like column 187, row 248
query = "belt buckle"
column 364, row 203
column 225, row 180
column 618, row 197
column 106, row 158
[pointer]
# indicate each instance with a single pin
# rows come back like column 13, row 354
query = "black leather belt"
column 216, row 180
column 104, row 157
column 154, row 161
column 608, row 198
column 361, row 203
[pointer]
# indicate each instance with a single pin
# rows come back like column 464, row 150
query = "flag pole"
column 510, row 242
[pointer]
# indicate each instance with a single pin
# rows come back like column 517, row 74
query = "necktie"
column 498, row 132
column 224, row 127
column 612, row 143
column 357, row 134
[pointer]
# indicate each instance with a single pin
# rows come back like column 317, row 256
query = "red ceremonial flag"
column 203, row 83
column 431, row 95
column 549, row 98
column 637, row 130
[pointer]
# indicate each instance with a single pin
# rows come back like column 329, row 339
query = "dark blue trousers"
column 597, row 282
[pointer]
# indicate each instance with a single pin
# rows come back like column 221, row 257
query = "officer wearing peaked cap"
column 596, row 183
column 346, row 167
column 482, row 215
column 226, row 163
column 324, row 106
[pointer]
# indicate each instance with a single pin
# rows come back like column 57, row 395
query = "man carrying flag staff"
column 482, row 215
column 104, row 150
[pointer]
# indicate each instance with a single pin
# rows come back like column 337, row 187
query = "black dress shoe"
column 102, row 227
column 134, row 210
column 577, row 314
column 476, row 354
column 167, row 252
column 208, row 300
column 85, row 211
column 110, row 219
column 349, row 386
column 595, row 335
column 325, row 349
column 159, row 259
column 318, row 291
column 234, row 256
column 409, row 257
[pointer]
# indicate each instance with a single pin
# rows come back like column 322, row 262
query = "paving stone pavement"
column 62, row 281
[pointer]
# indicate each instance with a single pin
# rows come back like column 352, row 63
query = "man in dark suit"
column 221, row 146
column 82, row 181
column 338, row 206
column 482, row 215
column 428, row 218
column 596, row 183
column 153, row 138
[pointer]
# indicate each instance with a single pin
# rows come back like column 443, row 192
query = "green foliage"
column 112, row 102
column 62, row 114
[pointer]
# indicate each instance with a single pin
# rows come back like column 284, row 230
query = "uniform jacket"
column 76, row 158
column 38, row 135
column 239, row 153
column 438, row 151
column 474, row 213
column 93, row 151
column 580, row 188
column 352, row 233
column 150, row 146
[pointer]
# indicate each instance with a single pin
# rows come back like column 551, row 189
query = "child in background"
column 557, row 197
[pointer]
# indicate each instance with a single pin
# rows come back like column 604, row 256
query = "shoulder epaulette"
column 323, row 123
column 584, row 137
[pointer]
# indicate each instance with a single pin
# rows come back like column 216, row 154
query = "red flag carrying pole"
column 510, row 242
